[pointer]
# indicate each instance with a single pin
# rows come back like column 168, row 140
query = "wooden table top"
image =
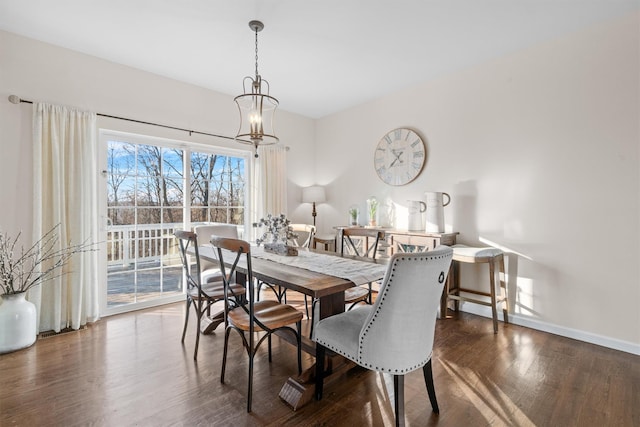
column 316, row 285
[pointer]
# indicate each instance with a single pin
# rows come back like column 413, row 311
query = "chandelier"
column 256, row 108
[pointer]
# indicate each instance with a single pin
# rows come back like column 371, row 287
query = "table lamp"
column 314, row 194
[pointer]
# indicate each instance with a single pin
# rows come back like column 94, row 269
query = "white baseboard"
column 518, row 319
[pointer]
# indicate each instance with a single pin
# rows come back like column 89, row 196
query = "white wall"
column 41, row 72
column 539, row 151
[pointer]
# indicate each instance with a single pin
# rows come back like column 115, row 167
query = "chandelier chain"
column 256, row 53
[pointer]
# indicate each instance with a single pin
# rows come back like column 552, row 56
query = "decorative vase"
column 281, row 249
column 17, row 322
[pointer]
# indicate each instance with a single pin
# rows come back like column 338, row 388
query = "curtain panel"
column 65, row 193
column 270, row 195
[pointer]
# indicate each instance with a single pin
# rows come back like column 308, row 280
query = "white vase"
column 17, row 322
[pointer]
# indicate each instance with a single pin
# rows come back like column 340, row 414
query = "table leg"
column 209, row 323
column 450, row 283
column 300, row 390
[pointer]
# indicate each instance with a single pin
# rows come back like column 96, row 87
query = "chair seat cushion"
column 469, row 254
column 211, row 275
column 270, row 313
column 341, row 333
column 215, row 290
column 356, row 293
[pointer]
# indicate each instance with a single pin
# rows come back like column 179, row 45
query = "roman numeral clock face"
column 399, row 157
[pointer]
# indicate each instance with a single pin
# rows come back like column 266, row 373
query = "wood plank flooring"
column 131, row 369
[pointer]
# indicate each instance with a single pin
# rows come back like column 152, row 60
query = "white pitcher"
column 435, row 211
column 415, row 208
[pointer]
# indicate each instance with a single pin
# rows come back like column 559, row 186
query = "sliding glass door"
column 152, row 188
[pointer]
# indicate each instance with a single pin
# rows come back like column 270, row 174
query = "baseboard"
column 539, row 325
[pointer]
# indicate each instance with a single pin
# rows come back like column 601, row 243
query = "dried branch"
column 42, row 262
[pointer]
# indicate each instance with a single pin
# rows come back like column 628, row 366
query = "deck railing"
column 147, row 242
column 125, row 243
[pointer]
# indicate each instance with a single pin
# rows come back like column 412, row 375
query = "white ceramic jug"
column 435, row 211
column 415, row 208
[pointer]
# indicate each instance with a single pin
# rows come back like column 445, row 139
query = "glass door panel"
column 144, row 207
column 150, row 185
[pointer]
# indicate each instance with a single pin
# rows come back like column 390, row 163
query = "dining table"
column 323, row 276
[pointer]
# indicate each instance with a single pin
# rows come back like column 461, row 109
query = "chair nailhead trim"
column 375, row 315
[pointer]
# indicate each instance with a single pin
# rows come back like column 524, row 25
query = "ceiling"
column 319, row 56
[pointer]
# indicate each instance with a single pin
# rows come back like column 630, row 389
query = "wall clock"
column 399, row 156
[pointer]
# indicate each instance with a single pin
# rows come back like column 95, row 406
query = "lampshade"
column 314, row 194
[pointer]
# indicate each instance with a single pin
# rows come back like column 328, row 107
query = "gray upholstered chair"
column 211, row 271
column 305, row 234
column 395, row 334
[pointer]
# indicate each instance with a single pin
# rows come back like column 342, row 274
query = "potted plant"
column 20, row 270
column 353, row 215
column 372, row 205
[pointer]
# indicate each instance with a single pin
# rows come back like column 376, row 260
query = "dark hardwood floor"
column 132, row 370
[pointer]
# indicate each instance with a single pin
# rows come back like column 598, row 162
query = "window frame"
column 106, row 135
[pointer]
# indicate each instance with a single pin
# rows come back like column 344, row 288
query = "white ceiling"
column 320, row 56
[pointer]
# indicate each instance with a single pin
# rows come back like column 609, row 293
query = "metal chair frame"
column 240, row 248
column 203, row 301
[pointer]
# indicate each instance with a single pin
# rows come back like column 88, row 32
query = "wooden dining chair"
column 394, row 335
column 371, row 240
column 356, row 294
column 305, row 234
column 303, row 238
column 199, row 294
column 251, row 316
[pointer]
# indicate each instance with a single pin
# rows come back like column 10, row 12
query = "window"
column 148, row 198
column 217, row 188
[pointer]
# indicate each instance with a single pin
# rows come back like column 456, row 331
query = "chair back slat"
column 236, row 248
column 308, row 231
column 369, row 252
column 187, row 239
column 205, row 232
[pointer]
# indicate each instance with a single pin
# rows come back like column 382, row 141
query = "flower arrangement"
column 278, row 228
column 21, row 269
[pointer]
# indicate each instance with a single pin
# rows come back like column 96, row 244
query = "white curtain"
column 65, row 193
column 270, row 182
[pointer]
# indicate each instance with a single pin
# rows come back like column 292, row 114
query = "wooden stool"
column 470, row 255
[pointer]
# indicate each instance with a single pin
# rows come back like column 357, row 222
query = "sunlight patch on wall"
column 524, row 297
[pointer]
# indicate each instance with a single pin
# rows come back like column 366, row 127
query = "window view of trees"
column 148, row 192
column 217, row 188
column 146, row 185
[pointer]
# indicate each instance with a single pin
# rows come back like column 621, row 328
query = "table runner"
column 359, row 272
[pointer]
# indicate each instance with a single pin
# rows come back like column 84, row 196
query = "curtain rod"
column 14, row 99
